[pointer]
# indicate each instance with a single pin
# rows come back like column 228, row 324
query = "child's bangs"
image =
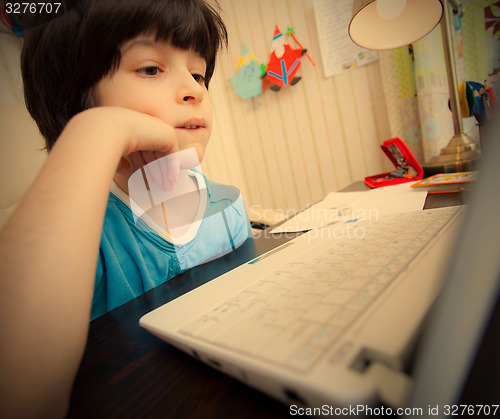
column 189, row 29
column 186, row 24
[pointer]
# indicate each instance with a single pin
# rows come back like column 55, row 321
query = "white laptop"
column 332, row 320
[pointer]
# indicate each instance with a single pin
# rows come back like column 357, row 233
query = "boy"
column 119, row 85
column 162, row 68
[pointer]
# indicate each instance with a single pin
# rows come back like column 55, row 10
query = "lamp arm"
column 457, row 5
column 461, row 152
column 449, row 56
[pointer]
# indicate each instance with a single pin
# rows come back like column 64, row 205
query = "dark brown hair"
column 64, row 58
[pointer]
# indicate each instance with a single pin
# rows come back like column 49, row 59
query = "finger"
column 159, row 168
column 124, row 166
column 137, row 159
column 153, row 173
column 171, row 166
column 166, row 182
column 148, row 156
column 163, row 167
column 153, row 135
column 162, row 170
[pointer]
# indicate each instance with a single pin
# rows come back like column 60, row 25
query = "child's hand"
column 161, row 169
column 57, row 227
column 142, row 140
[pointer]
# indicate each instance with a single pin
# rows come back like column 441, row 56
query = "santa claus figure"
column 284, row 62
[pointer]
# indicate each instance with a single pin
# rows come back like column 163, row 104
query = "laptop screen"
column 469, row 295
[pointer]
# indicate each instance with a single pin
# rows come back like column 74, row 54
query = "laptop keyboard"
column 294, row 314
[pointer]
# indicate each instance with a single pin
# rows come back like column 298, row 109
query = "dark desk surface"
column 127, row 372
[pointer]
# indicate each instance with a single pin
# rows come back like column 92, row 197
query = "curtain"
column 415, row 81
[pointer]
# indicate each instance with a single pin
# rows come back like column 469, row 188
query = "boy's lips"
column 193, row 123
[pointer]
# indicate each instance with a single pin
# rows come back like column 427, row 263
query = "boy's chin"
column 186, row 159
column 190, row 158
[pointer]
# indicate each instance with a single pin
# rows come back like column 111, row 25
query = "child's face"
column 166, row 82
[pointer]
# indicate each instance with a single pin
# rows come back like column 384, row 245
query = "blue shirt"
column 133, row 259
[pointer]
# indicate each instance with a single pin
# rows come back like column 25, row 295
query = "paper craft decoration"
column 248, row 81
column 284, row 61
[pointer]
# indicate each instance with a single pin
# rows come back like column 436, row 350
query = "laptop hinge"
column 394, row 386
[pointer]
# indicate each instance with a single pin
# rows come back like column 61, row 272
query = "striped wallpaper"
column 288, row 149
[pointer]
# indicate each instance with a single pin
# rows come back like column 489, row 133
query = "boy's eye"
column 150, row 71
column 199, row 78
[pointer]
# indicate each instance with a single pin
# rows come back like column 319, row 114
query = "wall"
column 285, row 150
column 289, row 149
column 21, row 155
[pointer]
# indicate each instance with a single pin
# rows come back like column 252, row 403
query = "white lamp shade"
column 370, row 30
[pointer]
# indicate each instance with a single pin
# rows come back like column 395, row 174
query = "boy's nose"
column 189, row 98
column 189, row 90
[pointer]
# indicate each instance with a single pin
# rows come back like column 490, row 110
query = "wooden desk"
column 128, row 373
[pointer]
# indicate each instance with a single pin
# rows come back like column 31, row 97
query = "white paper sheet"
column 338, row 51
column 341, row 207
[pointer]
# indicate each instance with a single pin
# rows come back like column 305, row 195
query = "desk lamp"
column 389, row 24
